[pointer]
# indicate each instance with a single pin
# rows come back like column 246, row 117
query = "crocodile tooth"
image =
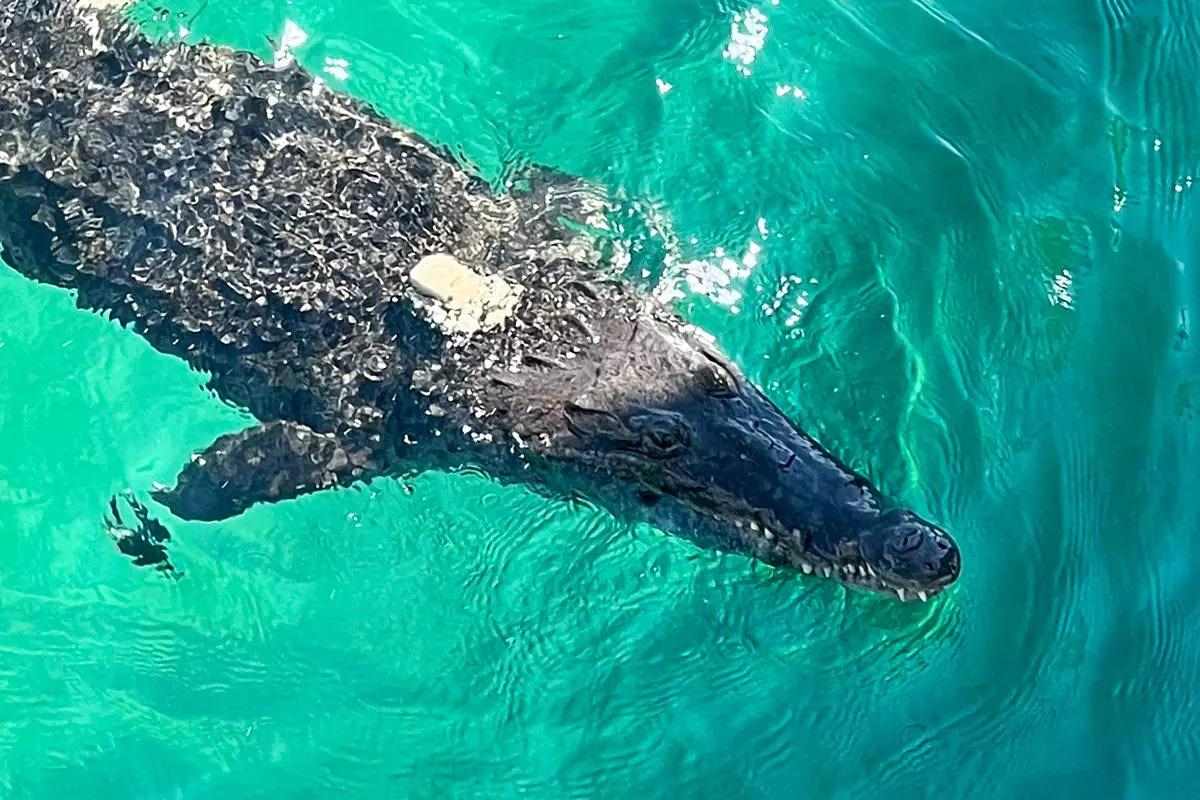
column 828, row 572
column 924, row 597
column 900, row 594
column 807, row 567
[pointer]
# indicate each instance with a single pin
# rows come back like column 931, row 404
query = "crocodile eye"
column 664, row 439
column 661, row 435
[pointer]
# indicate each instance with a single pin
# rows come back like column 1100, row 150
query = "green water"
column 955, row 239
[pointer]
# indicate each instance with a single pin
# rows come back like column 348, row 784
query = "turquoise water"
column 956, row 240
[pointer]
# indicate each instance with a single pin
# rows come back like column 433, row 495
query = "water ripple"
column 945, row 235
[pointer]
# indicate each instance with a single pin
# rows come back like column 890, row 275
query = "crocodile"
column 381, row 310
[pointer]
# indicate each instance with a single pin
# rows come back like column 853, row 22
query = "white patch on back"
column 466, row 302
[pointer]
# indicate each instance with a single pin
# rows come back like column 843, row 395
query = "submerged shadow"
column 143, row 538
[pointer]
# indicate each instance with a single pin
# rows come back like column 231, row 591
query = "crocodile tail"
column 15, row 14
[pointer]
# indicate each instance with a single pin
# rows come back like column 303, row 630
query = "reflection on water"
column 954, row 239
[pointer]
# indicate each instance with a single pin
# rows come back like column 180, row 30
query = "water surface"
column 955, row 239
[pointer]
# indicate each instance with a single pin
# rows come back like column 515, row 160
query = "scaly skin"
column 239, row 217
